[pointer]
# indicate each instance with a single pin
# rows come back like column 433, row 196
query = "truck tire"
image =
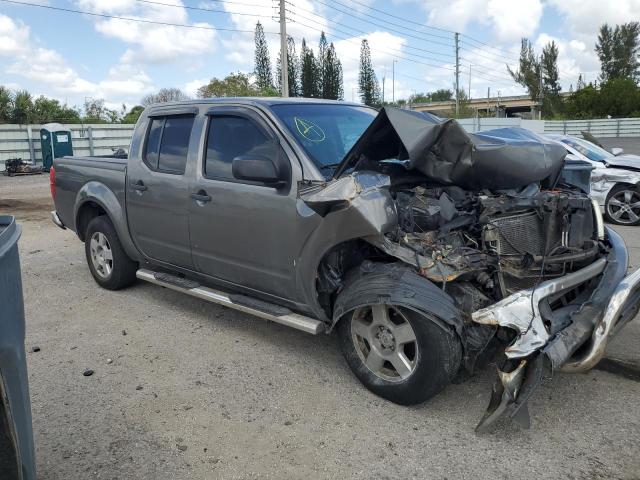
column 401, row 353
column 622, row 206
column 109, row 264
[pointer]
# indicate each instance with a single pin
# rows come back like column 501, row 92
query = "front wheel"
column 109, row 264
column 623, row 205
column 397, row 353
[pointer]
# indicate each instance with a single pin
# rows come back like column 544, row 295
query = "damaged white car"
column 615, row 179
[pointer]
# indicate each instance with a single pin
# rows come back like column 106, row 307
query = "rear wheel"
column 623, row 205
column 397, row 353
column 109, row 264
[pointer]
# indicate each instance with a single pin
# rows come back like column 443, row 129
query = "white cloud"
column 48, row 68
column 509, row 20
column 514, row 20
column 191, row 88
column 13, row 36
column 153, row 43
column 584, row 17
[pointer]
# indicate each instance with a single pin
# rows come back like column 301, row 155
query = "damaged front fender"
column 604, row 179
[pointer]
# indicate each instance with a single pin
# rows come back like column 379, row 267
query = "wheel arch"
column 397, row 284
column 96, row 199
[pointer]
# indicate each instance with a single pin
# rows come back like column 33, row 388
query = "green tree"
column 618, row 50
column 234, row 85
column 441, row 95
column 529, row 70
column 332, row 86
column 619, row 97
column 133, row 115
column 551, row 80
column 262, row 71
column 309, row 84
column 22, row 107
column 6, row 100
column 95, row 111
column 165, row 95
column 293, row 68
column 367, row 81
column 49, row 110
column 323, row 48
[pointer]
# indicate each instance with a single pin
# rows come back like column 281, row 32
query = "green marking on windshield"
column 309, row 130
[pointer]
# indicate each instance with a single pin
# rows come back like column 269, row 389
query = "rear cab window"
column 167, row 144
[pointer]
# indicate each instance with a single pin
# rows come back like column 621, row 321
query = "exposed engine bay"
column 495, row 243
column 490, row 219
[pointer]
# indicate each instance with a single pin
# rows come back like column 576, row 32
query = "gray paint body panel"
column 253, row 239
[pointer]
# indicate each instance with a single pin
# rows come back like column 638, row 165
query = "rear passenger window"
column 168, row 143
column 230, row 137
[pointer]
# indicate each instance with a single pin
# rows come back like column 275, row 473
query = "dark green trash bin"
column 16, row 434
column 55, row 142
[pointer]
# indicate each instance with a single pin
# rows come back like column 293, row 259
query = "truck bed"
column 78, row 175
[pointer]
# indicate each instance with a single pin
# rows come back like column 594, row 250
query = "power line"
column 401, row 18
column 353, row 40
column 209, row 10
column 413, row 22
column 385, row 26
column 129, row 19
column 490, row 46
column 362, row 32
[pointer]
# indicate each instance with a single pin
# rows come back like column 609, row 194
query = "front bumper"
column 571, row 339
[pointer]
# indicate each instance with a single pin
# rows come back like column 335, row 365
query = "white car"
column 615, row 179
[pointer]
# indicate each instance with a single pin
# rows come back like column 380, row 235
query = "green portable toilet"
column 55, row 141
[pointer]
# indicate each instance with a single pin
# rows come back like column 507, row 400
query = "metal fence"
column 605, row 127
column 23, row 141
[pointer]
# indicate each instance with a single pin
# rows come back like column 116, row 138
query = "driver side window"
column 229, row 137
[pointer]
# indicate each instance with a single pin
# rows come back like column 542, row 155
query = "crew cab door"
column 158, row 189
column 243, row 232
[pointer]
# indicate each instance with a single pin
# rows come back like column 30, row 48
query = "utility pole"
column 457, row 38
column 393, row 81
column 488, row 101
column 383, row 79
column 469, row 82
column 498, row 107
column 284, row 64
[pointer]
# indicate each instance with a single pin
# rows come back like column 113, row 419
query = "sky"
column 74, row 56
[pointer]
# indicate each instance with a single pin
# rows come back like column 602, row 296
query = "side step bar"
column 268, row 312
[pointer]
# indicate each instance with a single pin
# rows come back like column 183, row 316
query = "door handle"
column 201, row 196
column 139, row 186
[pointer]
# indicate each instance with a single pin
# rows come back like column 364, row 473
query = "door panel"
column 246, row 233
column 158, row 192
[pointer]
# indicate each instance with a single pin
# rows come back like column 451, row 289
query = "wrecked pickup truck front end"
column 538, row 281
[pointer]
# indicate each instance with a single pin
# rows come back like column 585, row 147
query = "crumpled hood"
column 625, row 162
column 444, row 152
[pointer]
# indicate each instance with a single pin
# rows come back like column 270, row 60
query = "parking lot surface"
column 187, row 389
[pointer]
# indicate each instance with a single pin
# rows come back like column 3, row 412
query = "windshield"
column 588, row 149
column 325, row 131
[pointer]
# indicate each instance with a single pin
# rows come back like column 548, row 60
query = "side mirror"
column 256, row 168
column 617, row 151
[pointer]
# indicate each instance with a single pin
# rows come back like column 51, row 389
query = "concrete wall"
column 98, row 139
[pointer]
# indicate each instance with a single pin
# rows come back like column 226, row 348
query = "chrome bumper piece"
column 611, row 304
column 55, row 219
column 607, row 327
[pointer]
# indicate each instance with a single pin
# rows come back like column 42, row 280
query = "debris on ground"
column 88, row 372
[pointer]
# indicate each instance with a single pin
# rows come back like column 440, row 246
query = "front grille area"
column 519, row 234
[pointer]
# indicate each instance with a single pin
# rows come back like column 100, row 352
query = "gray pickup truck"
column 429, row 250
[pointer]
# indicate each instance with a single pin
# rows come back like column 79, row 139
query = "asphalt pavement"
column 185, row 389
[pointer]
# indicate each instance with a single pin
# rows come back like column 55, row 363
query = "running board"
column 245, row 304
